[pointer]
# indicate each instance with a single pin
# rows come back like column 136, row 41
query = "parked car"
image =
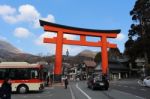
column 97, row 82
column 146, row 81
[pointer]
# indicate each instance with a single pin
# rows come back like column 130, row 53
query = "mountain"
column 87, row 53
column 10, row 53
column 8, row 47
column 82, row 56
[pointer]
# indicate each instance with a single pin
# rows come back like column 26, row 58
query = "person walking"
column 66, row 83
column 5, row 90
column 47, row 81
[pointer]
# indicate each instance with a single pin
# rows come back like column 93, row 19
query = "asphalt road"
column 78, row 90
column 131, row 86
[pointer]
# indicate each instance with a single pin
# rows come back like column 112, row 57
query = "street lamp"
column 67, row 53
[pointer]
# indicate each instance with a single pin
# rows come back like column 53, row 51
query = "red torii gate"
column 82, row 32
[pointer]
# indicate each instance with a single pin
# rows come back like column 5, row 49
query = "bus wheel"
column 22, row 89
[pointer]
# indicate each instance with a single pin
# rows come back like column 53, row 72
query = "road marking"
column 77, row 86
column 72, row 95
column 140, row 97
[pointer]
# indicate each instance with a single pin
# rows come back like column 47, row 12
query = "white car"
column 146, row 81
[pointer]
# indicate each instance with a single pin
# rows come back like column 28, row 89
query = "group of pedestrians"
column 5, row 89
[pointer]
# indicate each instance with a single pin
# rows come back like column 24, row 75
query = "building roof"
column 17, row 65
column 113, row 66
column 90, row 63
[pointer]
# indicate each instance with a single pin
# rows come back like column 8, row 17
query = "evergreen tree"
column 138, row 44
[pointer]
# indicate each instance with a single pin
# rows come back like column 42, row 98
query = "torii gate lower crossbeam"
column 60, row 40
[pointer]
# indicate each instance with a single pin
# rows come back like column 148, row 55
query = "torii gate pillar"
column 82, row 32
column 58, row 59
column 104, row 55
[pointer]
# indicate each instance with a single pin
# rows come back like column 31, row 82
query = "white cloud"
column 49, row 18
column 25, row 13
column 10, row 19
column 70, row 37
column 39, row 41
column 6, row 10
column 21, row 32
column 120, row 37
column 28, row 13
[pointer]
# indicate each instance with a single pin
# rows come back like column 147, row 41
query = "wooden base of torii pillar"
column 60, row 40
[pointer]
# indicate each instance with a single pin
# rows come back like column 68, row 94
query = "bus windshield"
column 19, row 73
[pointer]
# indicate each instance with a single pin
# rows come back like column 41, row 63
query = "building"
column 89, row 66
column 82, row 71
column 116, row 70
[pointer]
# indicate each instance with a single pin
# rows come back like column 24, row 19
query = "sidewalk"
column 126, row 81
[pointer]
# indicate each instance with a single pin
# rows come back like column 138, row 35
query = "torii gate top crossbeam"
column 48, row 26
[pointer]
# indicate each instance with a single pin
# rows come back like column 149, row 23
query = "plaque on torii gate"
column 82, row 32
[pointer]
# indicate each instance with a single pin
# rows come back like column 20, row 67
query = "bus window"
column 2, row 73
column 34, row 74
column 19, row 73
column 12, row 74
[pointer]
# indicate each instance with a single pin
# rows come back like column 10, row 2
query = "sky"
column 19, row 22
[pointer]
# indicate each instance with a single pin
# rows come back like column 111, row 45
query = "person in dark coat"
column 6, row 89
column 66, row 83
column 48, row 79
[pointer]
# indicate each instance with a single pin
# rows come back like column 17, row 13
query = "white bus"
column 24, row 76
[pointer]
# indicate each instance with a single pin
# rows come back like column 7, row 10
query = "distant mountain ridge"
column 8, row 47
column 82, row 56
column 87, row 53
column 10, row 53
